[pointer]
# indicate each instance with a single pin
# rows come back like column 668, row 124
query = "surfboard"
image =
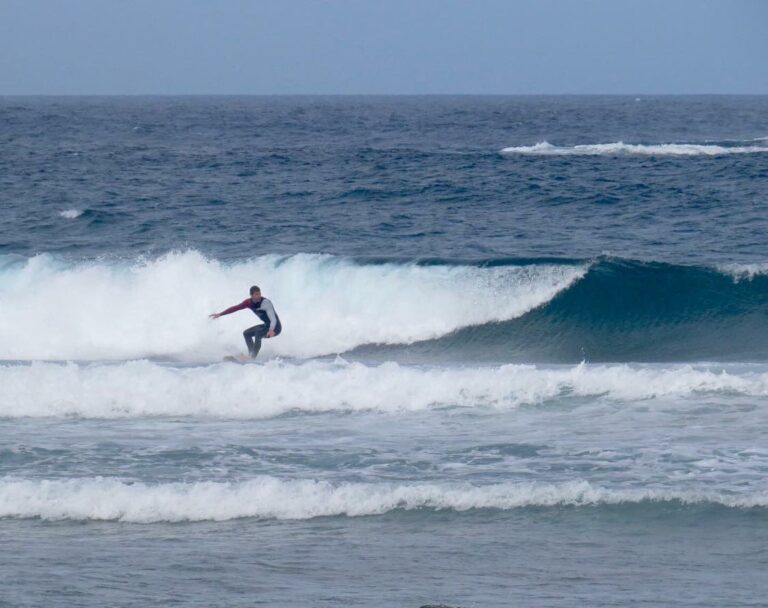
column 237, row 358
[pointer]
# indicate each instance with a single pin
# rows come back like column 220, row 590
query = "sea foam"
column 143, row 388
column 740, row 272
column 272, row 498
column 620, row 148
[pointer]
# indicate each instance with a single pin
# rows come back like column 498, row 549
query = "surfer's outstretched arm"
column 243, row 305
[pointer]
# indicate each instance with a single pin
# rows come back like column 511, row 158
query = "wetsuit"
column 266, row 312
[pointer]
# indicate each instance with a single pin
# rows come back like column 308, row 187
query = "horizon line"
column 637, row 95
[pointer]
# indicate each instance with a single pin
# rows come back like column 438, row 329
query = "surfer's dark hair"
column 254, row 289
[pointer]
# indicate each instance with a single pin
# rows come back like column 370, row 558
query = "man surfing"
column 263, row 309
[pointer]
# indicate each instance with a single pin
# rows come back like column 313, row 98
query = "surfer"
column 263, row 309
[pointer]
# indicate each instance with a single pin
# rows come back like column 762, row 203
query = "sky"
column 108, row 47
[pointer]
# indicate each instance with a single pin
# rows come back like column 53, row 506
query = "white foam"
column 272, row 498
column 52, row 310
column 620, row 148
column 741, row 272
column 71, row 214
column 143, row 388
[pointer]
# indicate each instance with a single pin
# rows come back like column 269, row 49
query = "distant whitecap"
column 71, row 214
column 545, row 148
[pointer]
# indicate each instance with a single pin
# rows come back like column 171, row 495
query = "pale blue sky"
column 383, row 47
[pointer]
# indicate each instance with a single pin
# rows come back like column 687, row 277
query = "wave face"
column 272, row 498
column 55, row 310
column 618, row 148
column 144, row 388
column 624, row 310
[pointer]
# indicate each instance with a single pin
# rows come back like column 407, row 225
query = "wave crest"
column 271, row 498
column 544, row 148
column 143, row 388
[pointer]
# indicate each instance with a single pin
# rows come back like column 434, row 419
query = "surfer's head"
column 255, row 293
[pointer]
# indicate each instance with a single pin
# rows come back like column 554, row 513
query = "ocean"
column 524, row 358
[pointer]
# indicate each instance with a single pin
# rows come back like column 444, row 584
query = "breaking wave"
column 104, row 499
column 144, row 388
column 427, row 312
column 544, row 148
column 70, row 214
column 57, row 310
column 623, row 310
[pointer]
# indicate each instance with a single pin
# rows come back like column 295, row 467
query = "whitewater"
column 145, row 388
column 269, row 498
column 545, row 148
column 157, row 307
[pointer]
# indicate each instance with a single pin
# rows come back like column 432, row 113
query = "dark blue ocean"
column 524, row 359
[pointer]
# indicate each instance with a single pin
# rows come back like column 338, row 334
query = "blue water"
column 523, row 362
column 392, row 177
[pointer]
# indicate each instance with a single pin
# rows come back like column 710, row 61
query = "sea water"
column 524, row 358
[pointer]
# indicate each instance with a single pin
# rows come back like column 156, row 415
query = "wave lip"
column 101, row 499
column 70, row 214
column 143, row 388
column 544, row 148
column 746, row 272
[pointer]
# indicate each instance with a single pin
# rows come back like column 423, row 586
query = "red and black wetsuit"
column 266, row 312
